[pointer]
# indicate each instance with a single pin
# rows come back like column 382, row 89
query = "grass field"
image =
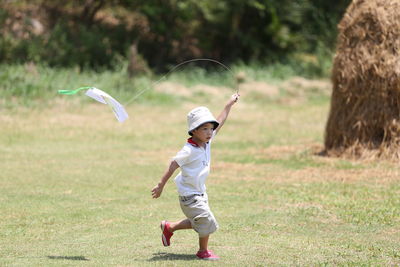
column 75, row 187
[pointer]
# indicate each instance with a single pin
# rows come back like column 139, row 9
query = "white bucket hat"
column 199, row 116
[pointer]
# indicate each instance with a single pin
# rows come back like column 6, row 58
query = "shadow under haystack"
column 364, row 119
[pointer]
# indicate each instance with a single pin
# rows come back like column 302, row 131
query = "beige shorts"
column 196, row 209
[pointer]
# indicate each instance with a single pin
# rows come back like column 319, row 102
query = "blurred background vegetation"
column 124, row 46
column 153, row 35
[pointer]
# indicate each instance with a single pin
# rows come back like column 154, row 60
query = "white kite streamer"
column 101, row 97
column 105, row 98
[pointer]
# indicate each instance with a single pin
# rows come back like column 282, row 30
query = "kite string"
column 177, row 66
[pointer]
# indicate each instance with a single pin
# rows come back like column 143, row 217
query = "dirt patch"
column 177, row 89
column 265, row 89
column 302, row 86
column 296, row 90
column 211, row 90
column 173, row 89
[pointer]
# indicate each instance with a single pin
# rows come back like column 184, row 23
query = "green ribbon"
column 72, row 92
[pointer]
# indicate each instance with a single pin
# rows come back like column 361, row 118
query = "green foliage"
column 171, row 31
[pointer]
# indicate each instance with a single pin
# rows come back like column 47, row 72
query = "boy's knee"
column 206, row 224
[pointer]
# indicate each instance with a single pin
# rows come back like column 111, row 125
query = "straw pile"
column 364, row 119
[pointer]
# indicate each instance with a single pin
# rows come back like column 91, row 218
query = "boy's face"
column 204, row 132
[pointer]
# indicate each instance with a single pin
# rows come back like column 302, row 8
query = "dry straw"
column 364, row 119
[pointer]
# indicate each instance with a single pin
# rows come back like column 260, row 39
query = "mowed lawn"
column 75, row 189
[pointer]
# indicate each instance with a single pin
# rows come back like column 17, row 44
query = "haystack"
column 364, row 118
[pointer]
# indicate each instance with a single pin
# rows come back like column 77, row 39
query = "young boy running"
column 194, row 162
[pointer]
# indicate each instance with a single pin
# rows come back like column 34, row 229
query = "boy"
column 194, row 161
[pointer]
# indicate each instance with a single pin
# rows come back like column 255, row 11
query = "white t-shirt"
column 194, row 162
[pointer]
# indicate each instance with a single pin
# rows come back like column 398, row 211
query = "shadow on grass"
column 71, row 258
column 162, row 256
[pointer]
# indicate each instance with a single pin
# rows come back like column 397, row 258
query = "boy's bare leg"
column 180, row 225
column 203, row 243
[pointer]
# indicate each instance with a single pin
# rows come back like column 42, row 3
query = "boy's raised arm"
column 225, row 112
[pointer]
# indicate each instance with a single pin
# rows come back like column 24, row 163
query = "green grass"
column 75, row 188
column 35, row 85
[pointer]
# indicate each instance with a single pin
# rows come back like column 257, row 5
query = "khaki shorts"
column 196, row 209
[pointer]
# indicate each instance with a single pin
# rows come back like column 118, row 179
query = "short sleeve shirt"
column 194, row 162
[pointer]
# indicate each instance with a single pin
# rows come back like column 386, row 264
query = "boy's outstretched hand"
column 156, row 191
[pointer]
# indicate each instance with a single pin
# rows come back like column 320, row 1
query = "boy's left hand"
column 234, row 98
